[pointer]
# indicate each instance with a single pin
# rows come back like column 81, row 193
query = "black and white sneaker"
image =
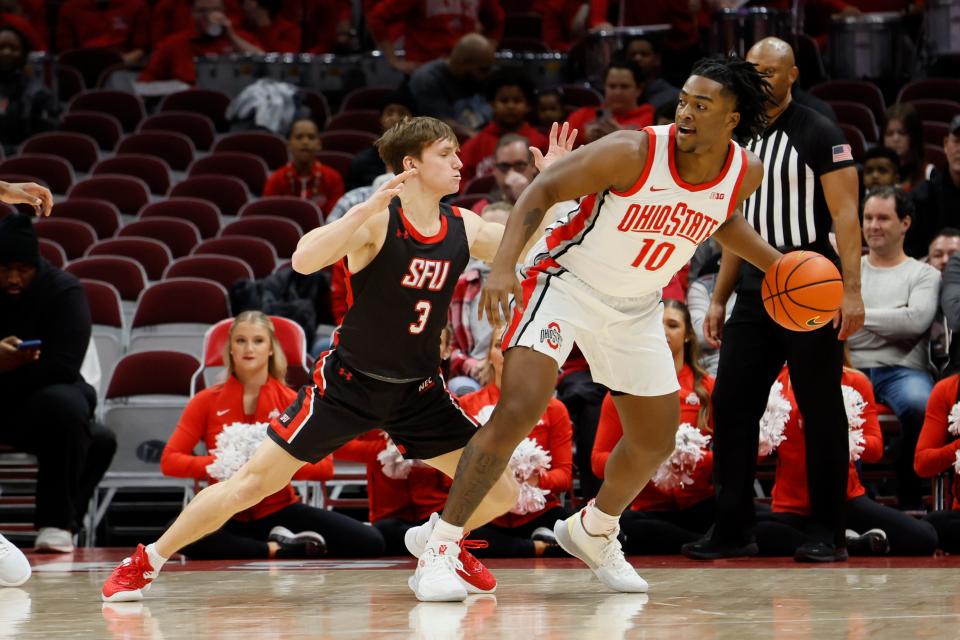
column 544, row 534
column 872, row 543
column 306, row 544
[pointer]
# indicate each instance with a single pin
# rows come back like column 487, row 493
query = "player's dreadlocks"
column 746, row 83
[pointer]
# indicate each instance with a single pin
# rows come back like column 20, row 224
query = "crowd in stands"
column 902, row 364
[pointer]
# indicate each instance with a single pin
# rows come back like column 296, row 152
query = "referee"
column 810, row 184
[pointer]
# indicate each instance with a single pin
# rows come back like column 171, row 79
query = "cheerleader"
column 252, row 393
column 937, row 452
column 872, row 528
column 677, row 505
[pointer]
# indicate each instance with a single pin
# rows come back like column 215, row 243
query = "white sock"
column 156, row 560
column 446, row 532
column 598, row 523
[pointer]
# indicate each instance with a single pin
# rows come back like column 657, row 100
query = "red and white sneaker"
column 130, row 579
column 474, row 575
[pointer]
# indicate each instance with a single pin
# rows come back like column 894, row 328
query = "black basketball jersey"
column 401, row 299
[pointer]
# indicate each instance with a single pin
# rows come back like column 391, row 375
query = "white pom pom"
column 531, row 499
column 857, row 443
column 954, row 420
column 774, row 419
column 394, row 464
column 529, row 458
column 854, row 404
column 956, row 462
column 677, row 470
column 235, row 446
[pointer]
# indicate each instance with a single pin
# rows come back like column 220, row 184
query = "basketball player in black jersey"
column 405, row 251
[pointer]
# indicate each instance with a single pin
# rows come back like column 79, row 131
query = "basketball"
column 802, row 291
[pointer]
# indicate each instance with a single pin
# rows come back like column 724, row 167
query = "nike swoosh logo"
column 815, row 322
column 220, row 413
column 661, row 189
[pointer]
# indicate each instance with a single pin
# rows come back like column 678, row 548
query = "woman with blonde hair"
column 252, row 393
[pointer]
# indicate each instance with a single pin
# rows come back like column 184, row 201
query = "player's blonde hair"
column 691, row 357
column 410, row 137
column 277, row 365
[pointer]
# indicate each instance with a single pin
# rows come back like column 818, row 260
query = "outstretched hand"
column 561, row 143
column 495, row 297
column 380, row 199
column 30, row 193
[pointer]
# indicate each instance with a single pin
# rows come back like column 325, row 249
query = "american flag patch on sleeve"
column 842, row 152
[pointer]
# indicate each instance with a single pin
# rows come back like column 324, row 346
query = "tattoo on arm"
column 533, row 217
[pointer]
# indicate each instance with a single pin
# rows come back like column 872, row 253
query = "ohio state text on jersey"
column 629, row 243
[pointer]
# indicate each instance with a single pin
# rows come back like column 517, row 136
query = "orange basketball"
column 802, row 291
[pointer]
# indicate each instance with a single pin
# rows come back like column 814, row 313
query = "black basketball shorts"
column 422, row 417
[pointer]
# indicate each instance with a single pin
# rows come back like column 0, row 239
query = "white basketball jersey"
column 630, row 243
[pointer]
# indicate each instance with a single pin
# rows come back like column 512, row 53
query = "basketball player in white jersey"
column 652, row 197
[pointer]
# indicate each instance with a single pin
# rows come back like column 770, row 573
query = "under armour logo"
column 346, row 374
column 402, row 234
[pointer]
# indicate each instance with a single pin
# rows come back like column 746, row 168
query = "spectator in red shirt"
column 254, row 392
column 510, row 93
column 172, row 16
column 527, row 534
column 274, row 32
column 937, row 453
column 622, row 86
column 662, row 518
column 29, row 18
column 110, row 24
column 212, row 33
column 884, row 529
column 563, row 22
column 430, row 28
column 305, row 176
column 329, row 27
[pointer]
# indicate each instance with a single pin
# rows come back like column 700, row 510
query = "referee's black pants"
column 752, row 352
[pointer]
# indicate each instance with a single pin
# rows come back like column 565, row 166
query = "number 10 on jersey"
column 653, row 257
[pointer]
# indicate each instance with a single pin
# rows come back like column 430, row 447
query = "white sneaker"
column 416, row 538
column 53, row 540
column 435, row 579
column 14, row 567
column 603, row 554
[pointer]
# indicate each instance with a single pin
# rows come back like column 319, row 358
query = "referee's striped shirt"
column 788, row 209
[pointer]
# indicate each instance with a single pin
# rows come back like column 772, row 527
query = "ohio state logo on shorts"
column 551, row 335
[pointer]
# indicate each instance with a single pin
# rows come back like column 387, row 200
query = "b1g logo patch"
column 551, row 335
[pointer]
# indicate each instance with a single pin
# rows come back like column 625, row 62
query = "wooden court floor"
column 866, row 599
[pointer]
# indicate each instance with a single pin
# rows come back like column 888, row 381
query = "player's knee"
column 247, row 488
column 515, row 417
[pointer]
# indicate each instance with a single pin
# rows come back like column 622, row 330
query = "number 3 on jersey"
column 423, row 308
column 655, row 259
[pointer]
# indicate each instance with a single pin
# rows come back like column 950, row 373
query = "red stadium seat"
column 339, row 160
column 196, row 126
column 104, row 302
column 53, row 170
column 347, row 141
column 127, row 192
column 153, row 255
column 246, row 166
column 125, row 274
column 69, row 82
column 861, row 91
column 153, row 373
column 90, row 62
column 102, row 215
column 367, row 98
column 52, row 252
column 854, row 136
column 283, row 234
column 857, row 115
column 304, row 212
column 930, row 89
column 937, row 110
column 580, row 95
column 79, row 149
column 356, row 120
column 256, row 252
column 151, row 169
column 102, row 127
column 223, row 269
column 319, row 108
column 228, row 193
column 175, row 314
column 212, row 104
column 934, row 132
column 74, row 236
column 202, row 213
column 178, row 235
column 175, row 148
column 126, row 107
column 270, row 147
column 289, row 334
column 483, row 184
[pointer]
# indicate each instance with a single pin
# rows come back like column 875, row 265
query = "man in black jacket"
column 47, row 406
